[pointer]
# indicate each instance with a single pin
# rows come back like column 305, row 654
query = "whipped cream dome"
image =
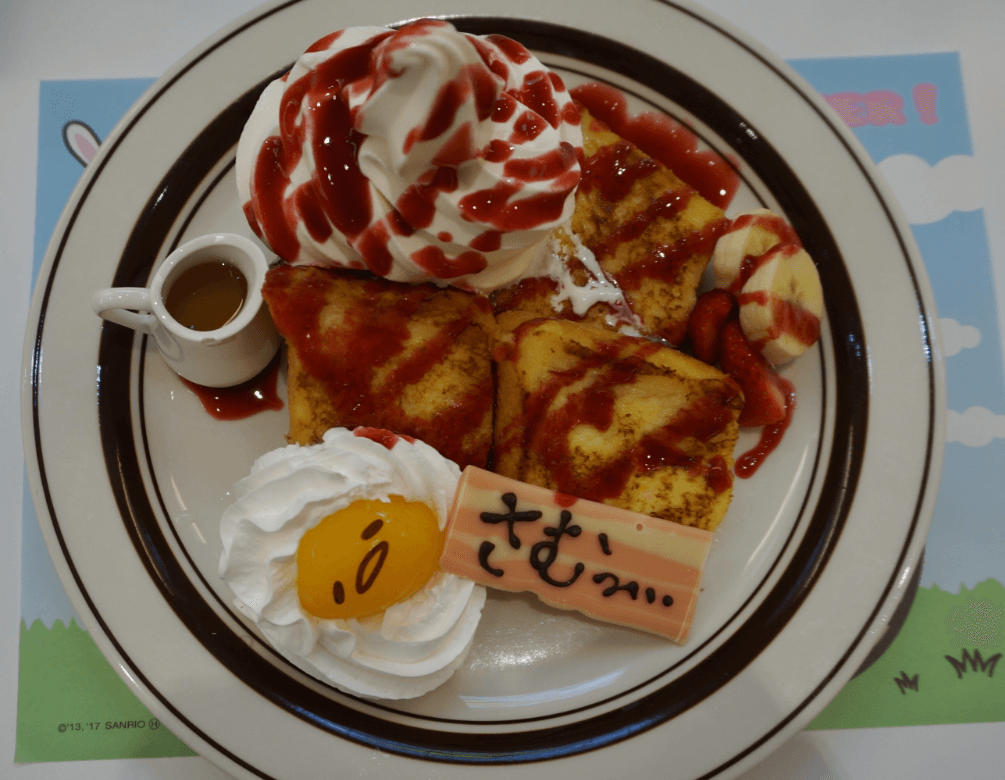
column 419, row 154
column 410, row 648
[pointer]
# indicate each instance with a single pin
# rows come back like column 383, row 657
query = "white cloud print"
column 956, row 337
column 929, row 193
column 976, row 427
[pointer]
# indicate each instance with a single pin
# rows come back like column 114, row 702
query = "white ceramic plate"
column 130, row 474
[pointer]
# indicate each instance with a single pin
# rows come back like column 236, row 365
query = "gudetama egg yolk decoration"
column 362, row 559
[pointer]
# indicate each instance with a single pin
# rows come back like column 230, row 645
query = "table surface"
column 53, row 39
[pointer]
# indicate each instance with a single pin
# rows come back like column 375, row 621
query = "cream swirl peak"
column 419, row 154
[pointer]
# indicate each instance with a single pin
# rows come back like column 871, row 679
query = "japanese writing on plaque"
column 543, row 554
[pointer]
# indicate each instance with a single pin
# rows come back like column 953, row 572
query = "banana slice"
column 750, row 234
column 781, row 304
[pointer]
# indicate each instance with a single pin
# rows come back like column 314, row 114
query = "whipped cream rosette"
column 403, row 651
column 418, row 154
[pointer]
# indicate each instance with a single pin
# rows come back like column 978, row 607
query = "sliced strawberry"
column 707, row 318
column 763, row 391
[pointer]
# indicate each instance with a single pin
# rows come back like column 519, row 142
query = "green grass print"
column 944, row 666
column 71, row 704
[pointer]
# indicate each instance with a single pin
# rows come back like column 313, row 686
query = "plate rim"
column 135, row 114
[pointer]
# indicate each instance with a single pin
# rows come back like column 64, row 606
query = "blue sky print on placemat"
column 909, row 113
column 73, row 117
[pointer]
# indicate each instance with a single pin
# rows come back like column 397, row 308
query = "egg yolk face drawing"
column 362, row 559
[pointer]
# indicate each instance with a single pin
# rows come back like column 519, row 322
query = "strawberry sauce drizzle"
column 666, row 206
column 665, row 261
column 373, row 333
column 788, row 318
column 610, row 172
column 770, row 222
column 748, row 463
column 546, row 430
column 664, row 139
column 751, row 263
column 315, row 113
column 338, row 191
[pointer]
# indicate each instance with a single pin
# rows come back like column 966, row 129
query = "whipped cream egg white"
column 404, row 651
column 418, row 154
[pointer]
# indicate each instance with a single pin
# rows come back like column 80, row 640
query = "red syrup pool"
column 241, row 401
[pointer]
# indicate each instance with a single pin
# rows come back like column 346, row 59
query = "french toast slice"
column 649, row 232
column 412, row 359
column 614, row 418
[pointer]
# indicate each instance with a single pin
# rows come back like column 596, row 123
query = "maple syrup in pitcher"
column 207, row 296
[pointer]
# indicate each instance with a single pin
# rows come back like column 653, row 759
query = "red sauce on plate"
column 663, row 139
column 241, row 401
column 748, row 463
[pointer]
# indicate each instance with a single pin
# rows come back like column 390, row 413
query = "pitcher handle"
column 113, row 304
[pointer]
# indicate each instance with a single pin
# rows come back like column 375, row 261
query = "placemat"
column 910, row 114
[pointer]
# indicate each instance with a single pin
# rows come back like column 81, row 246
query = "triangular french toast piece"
column 614, row 418
column 412, row 359
column 649, row 232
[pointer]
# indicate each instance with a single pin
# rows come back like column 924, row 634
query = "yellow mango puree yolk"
column 362, row 559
